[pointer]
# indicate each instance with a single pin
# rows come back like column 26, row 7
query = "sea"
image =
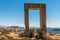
column 57, row 31
column 52, row 30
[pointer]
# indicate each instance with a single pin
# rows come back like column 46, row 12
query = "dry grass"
column 10, row 36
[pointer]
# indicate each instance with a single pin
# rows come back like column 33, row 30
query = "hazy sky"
column 12, row 12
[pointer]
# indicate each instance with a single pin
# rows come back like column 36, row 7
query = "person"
column 31, row 34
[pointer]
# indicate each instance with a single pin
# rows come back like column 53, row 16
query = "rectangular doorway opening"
column 34, row 19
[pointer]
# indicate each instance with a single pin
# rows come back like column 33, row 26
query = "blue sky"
column 12, row 13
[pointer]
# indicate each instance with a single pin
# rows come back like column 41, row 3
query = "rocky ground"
column 5, row 35
column 53, row 36
column 14, row 36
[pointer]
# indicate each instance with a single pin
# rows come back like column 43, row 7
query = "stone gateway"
column 42, row 8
